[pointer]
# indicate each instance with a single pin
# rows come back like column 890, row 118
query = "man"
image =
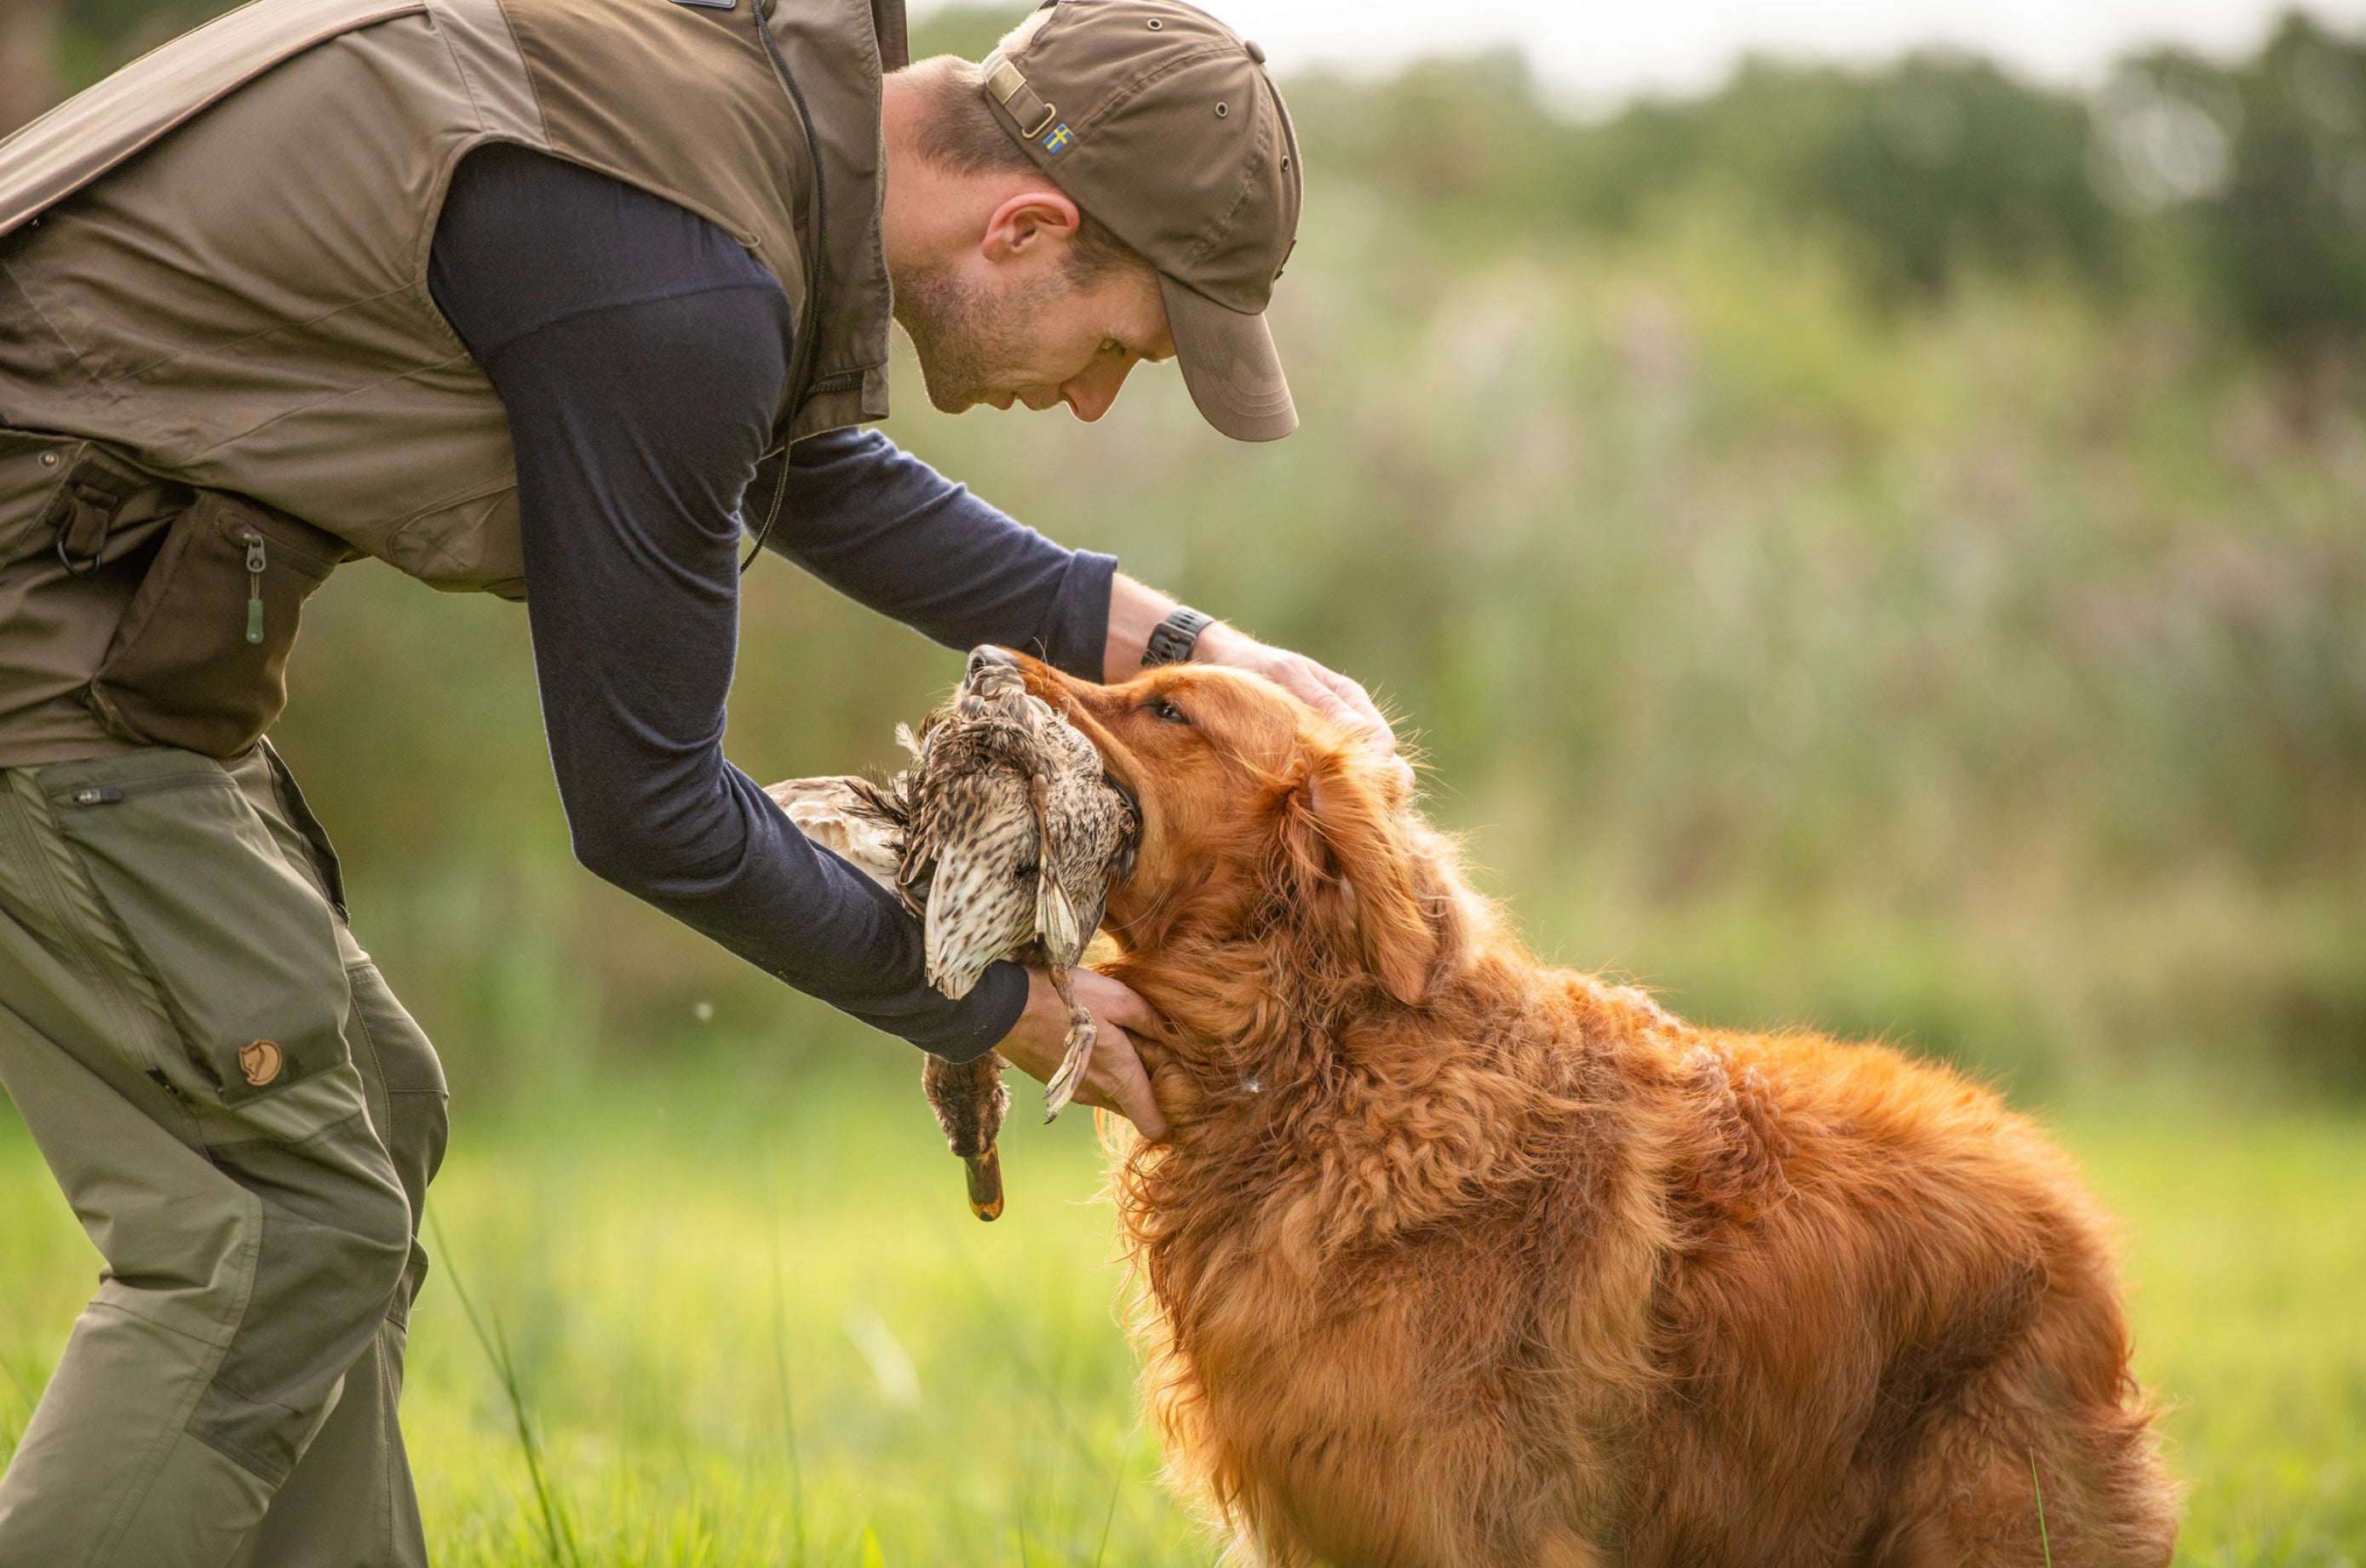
column 524, row 296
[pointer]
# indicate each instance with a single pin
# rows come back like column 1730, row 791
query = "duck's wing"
column 981, row 900
column 1090, row 827
column 852, row 817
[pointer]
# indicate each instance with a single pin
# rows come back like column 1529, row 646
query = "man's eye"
column 1164, row 711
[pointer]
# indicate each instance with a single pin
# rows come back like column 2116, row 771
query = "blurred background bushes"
column 1880, row 549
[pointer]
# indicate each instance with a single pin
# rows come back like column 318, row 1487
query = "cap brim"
column 1230, row 365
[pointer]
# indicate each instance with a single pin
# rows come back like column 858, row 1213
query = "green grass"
column 752, row 1322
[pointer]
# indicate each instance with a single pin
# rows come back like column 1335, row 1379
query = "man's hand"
column 1329, row 693
column 1135, row 608
column 1114, row 1079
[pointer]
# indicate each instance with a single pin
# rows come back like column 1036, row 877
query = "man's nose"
column 1090, row 396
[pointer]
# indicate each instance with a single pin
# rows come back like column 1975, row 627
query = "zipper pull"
column 255, row 564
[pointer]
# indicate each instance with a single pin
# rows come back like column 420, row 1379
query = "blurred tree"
column 2287, row 237
column 1923, row 169
column 1944, row 163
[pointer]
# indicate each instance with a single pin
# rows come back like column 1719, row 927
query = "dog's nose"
column 988, row 657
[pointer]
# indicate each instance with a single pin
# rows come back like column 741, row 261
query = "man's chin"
column 945, row 401
column 946, row 396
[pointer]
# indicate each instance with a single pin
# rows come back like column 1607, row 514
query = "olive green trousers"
column 246, row 1120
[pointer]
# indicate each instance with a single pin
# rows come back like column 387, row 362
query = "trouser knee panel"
column 335, row 1245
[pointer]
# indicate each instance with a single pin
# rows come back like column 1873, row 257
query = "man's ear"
column 1029, row 221
column 1361, row 846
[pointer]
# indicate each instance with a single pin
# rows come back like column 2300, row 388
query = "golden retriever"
column 1453, row 1258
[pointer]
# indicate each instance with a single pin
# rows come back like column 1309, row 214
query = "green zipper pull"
column 255, row 564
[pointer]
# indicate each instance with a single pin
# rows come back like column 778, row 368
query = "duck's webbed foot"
column 1077, row 1046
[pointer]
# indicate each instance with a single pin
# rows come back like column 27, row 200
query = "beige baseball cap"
column 1162, row 123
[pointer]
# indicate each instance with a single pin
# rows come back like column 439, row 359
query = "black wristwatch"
column 1172, row 640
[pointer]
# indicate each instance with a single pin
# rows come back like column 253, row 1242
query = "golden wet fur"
column 1454, row 1258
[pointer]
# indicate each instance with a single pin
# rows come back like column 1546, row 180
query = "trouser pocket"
column 199, row 661
column 242, row 947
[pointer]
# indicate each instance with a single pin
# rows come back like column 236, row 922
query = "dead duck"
column 1003, row 836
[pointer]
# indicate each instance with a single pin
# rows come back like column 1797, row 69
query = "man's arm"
column 640, row 353
column 888, row 531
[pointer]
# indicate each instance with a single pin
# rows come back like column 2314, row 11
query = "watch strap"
column 1172, row 640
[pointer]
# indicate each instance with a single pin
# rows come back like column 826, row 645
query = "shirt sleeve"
column 640, row 353
column 888, row 531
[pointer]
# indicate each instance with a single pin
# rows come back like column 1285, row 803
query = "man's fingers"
column 1368, row 711
column 1114, row 1000
column 1330, row 693
column 1116, row 1081
column 1359, row 710
column 1353, row 706
column 1311, row 683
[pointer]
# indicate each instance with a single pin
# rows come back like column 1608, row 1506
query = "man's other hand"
column 1114, row 1079
column 1135, row 609
column 1326, row 691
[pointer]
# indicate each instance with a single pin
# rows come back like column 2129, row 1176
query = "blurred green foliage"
column 1878, row 548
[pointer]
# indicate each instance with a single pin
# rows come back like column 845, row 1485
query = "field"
column 1855, row 547
column 751, row 1323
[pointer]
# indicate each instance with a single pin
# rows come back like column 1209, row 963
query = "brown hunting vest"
column 213, row 299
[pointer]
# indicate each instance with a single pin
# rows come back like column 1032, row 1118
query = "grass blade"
column 781, row 1363
column 558, row 1537
column 1101, row 1552
column 2044, row 1544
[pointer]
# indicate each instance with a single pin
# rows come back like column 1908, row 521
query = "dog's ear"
column 1345, row 831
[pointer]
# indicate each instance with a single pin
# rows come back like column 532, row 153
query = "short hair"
column 959, row 131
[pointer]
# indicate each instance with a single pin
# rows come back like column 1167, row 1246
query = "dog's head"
column 1260, row 818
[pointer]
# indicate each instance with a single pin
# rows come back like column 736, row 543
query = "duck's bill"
column 985, row 1183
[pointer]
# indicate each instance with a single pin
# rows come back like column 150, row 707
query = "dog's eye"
column 1164, row 711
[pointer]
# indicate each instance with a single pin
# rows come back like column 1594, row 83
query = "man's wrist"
column 1221, row 643
column 1134, row 610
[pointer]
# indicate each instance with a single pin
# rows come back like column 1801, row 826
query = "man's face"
column 1028, row 335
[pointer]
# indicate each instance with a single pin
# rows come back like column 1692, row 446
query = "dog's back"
column 1906, row 1343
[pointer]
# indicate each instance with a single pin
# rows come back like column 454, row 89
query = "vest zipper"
column 254, row 565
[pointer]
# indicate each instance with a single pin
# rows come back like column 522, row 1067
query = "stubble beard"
column 965, row 337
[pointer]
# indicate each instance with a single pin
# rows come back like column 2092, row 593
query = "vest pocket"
column 241, row 947
column 200, row 658
column 72, row 506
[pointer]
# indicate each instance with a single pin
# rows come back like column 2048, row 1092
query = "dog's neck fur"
column 1282, row 1033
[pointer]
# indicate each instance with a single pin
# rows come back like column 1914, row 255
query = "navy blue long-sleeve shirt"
column 640, row 353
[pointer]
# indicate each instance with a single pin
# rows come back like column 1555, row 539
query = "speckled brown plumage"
column 1014, row 835
column 960, row 836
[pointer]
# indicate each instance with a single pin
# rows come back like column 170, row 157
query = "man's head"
column 1142, row 211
